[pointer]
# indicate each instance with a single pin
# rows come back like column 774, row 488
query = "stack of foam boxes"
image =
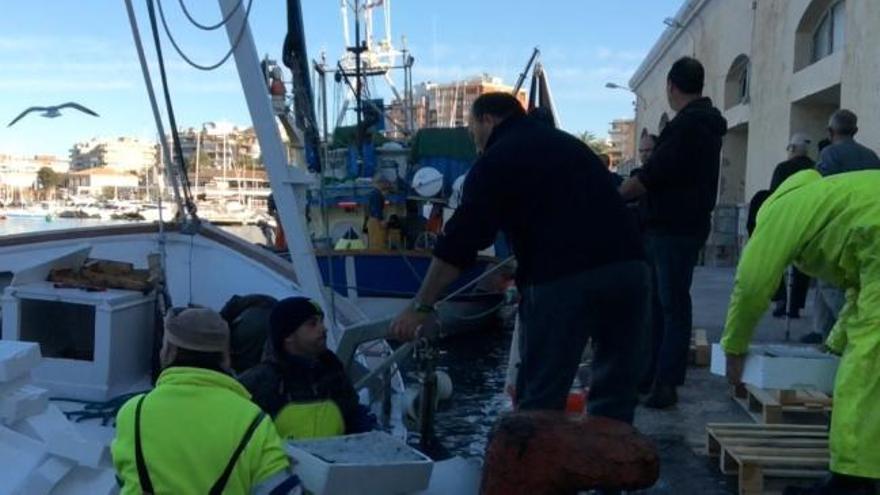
column 41, row 452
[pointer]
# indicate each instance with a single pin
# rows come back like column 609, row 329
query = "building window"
column 736, row 87
column 829, row 35
column 744, row 84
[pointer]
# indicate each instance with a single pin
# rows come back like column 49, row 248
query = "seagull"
column 52, row 112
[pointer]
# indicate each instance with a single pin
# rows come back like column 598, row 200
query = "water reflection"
column 477, row 364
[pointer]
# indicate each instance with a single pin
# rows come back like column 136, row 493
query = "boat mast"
column 358, row 49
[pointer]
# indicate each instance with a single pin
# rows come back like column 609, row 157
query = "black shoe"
column 812, row 338
column 794, row 314
column 662, row 397
column 837, row 484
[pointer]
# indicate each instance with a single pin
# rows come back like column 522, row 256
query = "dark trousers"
column 672, row 260
column 800, row 284
column 609, row 304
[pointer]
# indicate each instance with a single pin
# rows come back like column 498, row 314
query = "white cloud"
column 47, row 85
column 605, row 53
column 447, row 73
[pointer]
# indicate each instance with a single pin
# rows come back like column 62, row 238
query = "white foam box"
column 19, row 457
column 373, row 463
column 19, row 400
column 61, row 437
column 87, row 481
column 17, row 359
column 783, row 367
column 44, row 478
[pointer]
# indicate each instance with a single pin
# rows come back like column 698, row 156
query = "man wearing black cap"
column 301, row 383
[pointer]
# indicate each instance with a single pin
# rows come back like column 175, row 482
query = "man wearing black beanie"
column 301, row 383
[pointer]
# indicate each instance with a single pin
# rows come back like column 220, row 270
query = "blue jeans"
column 609, row 304
column 672, row 260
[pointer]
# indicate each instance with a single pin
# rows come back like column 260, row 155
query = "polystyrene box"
column 95, row 344
column 374, row 463
column 783, row 367
column 17, row 359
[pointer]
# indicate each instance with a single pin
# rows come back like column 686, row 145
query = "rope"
column 206, row 27
column 189, row 60
column 169, row 108
column 154, row 105
column 411, row 268
column 478, row 316
column 476, row 280
column 103, row 410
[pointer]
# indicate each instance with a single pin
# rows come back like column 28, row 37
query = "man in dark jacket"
column 302, row 384
column 680, row 186
column 248, row 320
column 580, row 262
column 798, row 150
column 798, row 159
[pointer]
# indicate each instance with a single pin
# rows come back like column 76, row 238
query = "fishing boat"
column 81, row 313
column 381, row 280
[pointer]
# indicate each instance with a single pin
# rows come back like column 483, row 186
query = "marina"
column 401, row 276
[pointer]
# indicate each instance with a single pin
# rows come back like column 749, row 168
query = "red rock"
column 554, row 453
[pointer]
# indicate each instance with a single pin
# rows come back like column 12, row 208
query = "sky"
column 54, row 51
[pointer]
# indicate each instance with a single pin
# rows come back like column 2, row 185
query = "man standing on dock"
column 580, row 264
column 829, row 228
column 679, row 183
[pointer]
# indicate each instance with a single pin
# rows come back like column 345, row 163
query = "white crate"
column 783, row 367
column 19, row 457
column 372, row 463
column 18, row 403
column 17, row 359
column 119, row 340
column 62, row 438
column 87, row 481
column 44, row 478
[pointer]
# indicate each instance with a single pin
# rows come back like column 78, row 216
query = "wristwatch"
column 420, row 307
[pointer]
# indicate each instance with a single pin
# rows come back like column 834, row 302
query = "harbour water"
column 477, row 364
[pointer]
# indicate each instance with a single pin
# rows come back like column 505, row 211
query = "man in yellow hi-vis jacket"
column 830, row 229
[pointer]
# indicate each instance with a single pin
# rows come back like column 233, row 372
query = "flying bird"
column 52, row 112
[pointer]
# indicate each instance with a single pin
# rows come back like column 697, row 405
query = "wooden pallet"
column 700, row 350
column 784, row 406
column 757, row 452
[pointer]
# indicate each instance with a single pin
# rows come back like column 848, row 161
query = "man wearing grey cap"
column 798, row 150
column 197, row 431
column 798, row 159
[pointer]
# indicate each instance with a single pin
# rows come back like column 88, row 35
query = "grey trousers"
column 828, row 301
column 609, row 304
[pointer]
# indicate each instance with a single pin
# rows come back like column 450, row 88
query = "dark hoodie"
column 281, row 379
column 682, row 175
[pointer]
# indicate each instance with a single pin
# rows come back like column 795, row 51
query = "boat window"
column 63, row 330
